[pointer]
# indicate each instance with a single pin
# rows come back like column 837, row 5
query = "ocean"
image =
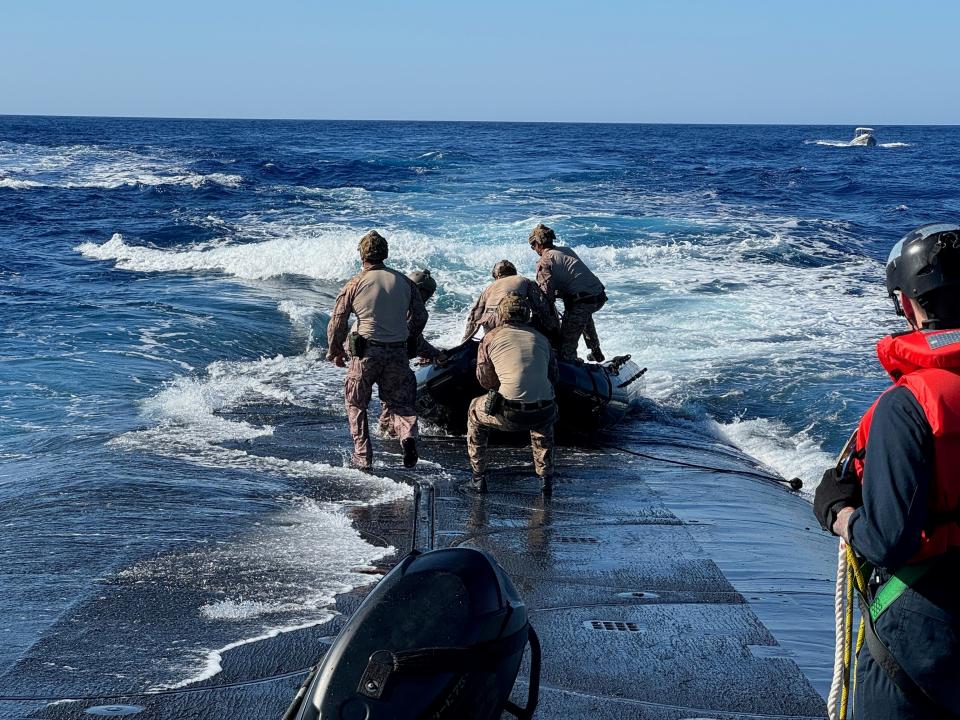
column 164, row 289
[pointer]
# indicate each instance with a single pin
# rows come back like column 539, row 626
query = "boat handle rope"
column 794, row 483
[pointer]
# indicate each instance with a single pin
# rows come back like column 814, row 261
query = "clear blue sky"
column 723, row 61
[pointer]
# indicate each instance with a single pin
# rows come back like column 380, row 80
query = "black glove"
column 834, row 493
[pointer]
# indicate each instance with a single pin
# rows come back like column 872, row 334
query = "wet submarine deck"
column 660, row 591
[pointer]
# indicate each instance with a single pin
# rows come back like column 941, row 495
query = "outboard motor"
column 441, row 637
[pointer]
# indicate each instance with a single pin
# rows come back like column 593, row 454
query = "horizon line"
column 489, row 122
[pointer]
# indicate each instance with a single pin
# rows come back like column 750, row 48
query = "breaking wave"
column 722, row 283
column 24, row 166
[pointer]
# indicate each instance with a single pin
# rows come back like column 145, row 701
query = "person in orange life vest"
column 896, row 502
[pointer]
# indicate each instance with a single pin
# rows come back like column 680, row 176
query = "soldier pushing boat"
column 561, row 273
column 390, row 319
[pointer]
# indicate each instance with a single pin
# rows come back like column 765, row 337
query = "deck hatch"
column 577, row 540
column 612, row 625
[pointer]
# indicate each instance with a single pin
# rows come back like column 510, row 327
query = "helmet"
column 503, row 269
column 925, row 266
column 373, row 247
column 424, row 282
column 514, row 308
column 543, row 235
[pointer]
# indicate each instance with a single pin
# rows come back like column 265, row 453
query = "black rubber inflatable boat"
column 441, row 637
column 589, row 395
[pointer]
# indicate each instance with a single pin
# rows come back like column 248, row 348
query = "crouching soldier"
column 517, row 365
column 390, row 316
column 427, row 286
column 506, row 281
column 424, row 351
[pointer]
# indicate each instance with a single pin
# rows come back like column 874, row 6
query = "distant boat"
column 863, row 136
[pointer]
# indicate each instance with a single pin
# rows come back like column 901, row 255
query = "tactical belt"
column 583, row 297
column 378, row 343
column 520, row 405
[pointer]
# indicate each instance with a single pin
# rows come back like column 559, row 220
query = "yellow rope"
column 853, row 567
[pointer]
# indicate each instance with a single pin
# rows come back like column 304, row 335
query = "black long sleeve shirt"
column 898, row 475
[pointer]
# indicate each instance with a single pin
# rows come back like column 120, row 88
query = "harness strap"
column 886, row 660
column 893, row 588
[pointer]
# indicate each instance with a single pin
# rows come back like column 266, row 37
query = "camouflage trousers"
column 479, row 425
column 577, row 321
column 389, row 369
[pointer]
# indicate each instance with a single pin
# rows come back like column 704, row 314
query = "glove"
column 834, row 493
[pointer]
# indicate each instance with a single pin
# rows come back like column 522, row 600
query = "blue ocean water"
column 161, row 280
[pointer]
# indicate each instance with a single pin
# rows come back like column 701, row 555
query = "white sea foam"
column 280, row 577
column 241, row 609
column 787, row 453
column 694, row 299
column 284, row 574
column 308, row 320
column 15, row 184
column 848, row 144
column 187, row 421
column 25, row 166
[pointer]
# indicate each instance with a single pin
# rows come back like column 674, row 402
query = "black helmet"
column 925, row 266
column 424, row 282
column 503, row 269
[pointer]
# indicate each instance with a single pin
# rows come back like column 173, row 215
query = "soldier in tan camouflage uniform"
column 506, row 281
column 426, row 352
column 561, row 273
column 389, row 312
column 518, row 363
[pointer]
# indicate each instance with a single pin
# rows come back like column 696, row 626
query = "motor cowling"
column 442, row 636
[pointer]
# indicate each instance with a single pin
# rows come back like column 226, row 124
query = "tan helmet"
column 543, row 235
column 503, row 269
column 424, row 282
column 514, row 308
column 373, row 247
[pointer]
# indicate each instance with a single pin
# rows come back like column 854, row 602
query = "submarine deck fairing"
column 678, row 580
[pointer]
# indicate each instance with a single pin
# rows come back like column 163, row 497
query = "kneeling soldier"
column 517, row 365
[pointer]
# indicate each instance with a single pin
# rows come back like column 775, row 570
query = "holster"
column 357, row 344
column 413, row 343
column 494, row 403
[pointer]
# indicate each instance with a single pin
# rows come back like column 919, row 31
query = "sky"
column 677, row 61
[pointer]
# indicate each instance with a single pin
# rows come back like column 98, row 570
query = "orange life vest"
column 927, row 363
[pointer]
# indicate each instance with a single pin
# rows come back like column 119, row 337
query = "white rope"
column 836, row 687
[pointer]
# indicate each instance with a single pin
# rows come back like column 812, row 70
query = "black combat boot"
column 546, row 484
column 478, row 484
column 409, row 447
